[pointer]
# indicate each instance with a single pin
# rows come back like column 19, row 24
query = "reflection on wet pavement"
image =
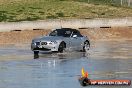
column 105, row 60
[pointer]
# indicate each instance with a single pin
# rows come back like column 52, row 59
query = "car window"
column 67, row 33
column 77, row 33
column 53, row 33
column 59, row 32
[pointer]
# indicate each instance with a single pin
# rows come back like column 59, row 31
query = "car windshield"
column 60, row 32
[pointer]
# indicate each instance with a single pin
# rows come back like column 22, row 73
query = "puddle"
column 105, row 60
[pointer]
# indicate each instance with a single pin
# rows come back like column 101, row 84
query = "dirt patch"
column 101, row 34
column 25, row 36
column 104, row 34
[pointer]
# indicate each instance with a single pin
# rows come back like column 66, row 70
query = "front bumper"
column 47, row 47
column 41, row 49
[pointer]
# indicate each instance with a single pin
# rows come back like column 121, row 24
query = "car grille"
column 43, row 43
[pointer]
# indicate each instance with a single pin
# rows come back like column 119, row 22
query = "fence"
column 124, row 3
column 70, row 23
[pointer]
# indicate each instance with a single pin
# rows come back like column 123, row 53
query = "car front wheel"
column 36, row 52
column 86, row 46
column 61, row 47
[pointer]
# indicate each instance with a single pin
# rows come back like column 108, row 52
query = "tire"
column 85, row 82
column 61, row 47
column 36, row 52
column 86, row 46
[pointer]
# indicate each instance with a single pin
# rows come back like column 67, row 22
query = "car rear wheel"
column 86, row 46
column 61, row 47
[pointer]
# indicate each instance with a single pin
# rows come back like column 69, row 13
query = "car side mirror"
column 74, row 36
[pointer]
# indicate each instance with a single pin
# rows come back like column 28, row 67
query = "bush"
column 60, row 14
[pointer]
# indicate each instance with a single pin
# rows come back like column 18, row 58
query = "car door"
column 67, row 39
column 76, row 40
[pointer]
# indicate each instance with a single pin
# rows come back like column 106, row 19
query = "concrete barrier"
column 70, row 23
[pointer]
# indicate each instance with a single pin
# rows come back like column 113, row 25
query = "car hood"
column 49, row 38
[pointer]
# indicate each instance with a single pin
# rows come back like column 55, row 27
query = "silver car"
column 60, row 40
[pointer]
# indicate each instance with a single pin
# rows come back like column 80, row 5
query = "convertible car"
column 60, row 40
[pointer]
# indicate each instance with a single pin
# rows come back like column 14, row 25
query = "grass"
column 22, row 10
